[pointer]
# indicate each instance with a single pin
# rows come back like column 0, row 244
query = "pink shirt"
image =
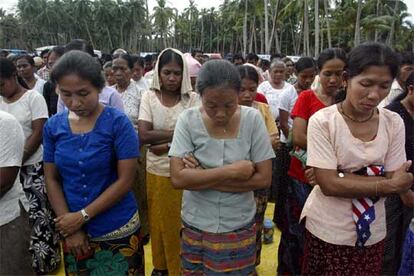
column 331, row 145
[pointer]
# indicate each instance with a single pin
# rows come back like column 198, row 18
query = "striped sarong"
column 230, row 253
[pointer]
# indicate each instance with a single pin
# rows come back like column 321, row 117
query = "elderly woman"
column 26, row 70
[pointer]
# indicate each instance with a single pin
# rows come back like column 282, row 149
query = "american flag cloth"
column 363, row 210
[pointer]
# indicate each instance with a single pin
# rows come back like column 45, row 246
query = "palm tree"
column 357, row 35
column 162, row 17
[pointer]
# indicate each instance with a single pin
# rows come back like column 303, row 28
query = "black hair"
column 237, row 56
column 248, row 72
column 29, row 59
column 128, row 59
column 195, row 51
column 408, row 83
column 8, row 70
column 44, row 52
column 148, row 58
column 371, row 54
column 81, row 45
column 107, row 64
column 276, row 56
column 58, row 50
column 406, row 58
column 329, row 54
column 264, row 62
column 218, row 73
column 286, row 59
column 81, row 64
column 137, row 59
column 252, row 56
column 304, row 63
column 169, row 56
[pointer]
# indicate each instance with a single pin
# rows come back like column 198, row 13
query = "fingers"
column 408, row 165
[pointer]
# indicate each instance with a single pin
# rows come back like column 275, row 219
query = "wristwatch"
column 85, row 215
column 341, row 174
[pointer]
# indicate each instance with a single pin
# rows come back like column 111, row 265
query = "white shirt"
column 31, row 106
column 40, row 83
column 11, row 148
column 131, row 99
column 273, row 95
column 142, row 84
column 287, row 101
column 395, row 91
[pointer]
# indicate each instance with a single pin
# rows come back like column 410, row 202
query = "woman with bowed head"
column 248, row 90
column 358, row 156
column 169, row 95
column 331, row 63
column 29, row 108
column 89, row 191
column 220, row 154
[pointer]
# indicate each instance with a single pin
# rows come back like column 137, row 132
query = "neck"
column 16, row 95
column 349, row 110
column 123, row 85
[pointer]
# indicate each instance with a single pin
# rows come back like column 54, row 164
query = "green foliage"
column 110, row 24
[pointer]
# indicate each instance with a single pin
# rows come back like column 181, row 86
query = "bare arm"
column 283, row 121
column 183, row 177
column 354, row 186
column 54, row 190
column 115, row 192
column 261, row 179
column 7, row 177
column 34, row 140
column 148, row 135
column 299, row 131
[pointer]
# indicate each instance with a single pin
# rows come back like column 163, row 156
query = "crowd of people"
column 99, row 157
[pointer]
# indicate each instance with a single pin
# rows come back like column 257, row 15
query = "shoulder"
column 189, row 113
column 264, row 85
column 250, row 113
column 325, row 114
column 307, row 94
column 57, row 118
column 109, row 90
column 8, row 121
column 391, row 118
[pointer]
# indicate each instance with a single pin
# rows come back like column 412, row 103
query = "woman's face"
column 109, row 76
column 366, row 90
column 52, row 59
column 305, row 78
column 8, row 86
column 220, row 104
column 78, row 94
column 122, row 72
column 290, row 68
column 405, row 71
column 410, row 95
column 24, row 69
column 330, row 76
column 277, row 74
column 248, row 92
column 171, row 76
column 137, row 72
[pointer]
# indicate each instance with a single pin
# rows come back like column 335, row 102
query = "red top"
column 306, row 105
column 261, row 98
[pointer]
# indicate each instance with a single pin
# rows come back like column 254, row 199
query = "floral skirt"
column 230, row 253
column 116, row 256
column 322, row 258
column 44, row 240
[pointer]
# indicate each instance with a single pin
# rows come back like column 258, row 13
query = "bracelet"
column 376, row 188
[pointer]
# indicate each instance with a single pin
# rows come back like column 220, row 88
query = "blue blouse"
column 87, row 164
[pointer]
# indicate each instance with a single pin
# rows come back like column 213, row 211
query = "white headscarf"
column 186, row 88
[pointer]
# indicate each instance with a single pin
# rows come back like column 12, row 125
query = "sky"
column 181, row 4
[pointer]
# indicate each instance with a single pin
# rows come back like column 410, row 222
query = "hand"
column 402, row 180
column 275, row 140
column 242, row 170
column 408, row 198
column 310, row 176
column 159, row 149
column 69, row 223
column 78, row 244
column 190, row 162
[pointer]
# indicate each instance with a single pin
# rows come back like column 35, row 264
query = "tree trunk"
column 377, row 14
column 306, row 28
column 266, row 22
column 325, row 4
column 245, row 29
column 274, row 31
column 316, row 28
column 357, row 35
column 261, row 34
column 390, row 38
column 253, row 35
